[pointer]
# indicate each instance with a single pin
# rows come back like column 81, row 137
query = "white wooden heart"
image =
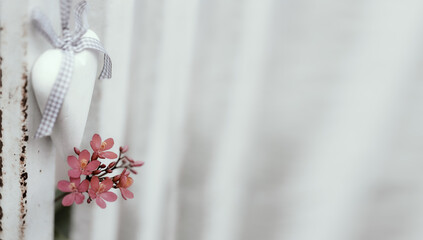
column 70, row 124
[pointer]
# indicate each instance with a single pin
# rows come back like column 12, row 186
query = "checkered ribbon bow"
column 70, row 43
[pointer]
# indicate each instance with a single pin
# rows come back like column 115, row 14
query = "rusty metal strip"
column 23, row 143
column 13, row 134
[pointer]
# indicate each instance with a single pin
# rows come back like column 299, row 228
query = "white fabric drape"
column 264, row 119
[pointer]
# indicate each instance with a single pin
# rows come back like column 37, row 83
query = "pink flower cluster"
column 97, row 176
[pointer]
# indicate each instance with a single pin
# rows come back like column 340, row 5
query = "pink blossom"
column 82, row 165
column 100, row 191
column 75, row 189
column 101, row 148
column 125, row 182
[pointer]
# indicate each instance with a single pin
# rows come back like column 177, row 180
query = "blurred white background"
column 267, row 119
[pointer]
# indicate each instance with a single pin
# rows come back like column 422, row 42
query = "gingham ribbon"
column 70, row 43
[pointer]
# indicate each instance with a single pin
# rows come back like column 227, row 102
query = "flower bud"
column 76, row 150
column 112, row 164
column 124, row 149
column 116, row 178
column 103, row 165
column 133, row 171
column 94, row 156
column 89, row 200
column 130, row 159
column 96, row 172
column 137, row 164
column 109, row 171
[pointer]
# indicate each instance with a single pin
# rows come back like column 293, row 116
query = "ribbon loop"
column 42, row 24
column 70, row 43
column 92, row 43
column 65, row 9
column 81, row 23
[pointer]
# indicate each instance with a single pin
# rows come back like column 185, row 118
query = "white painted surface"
column 28, row 165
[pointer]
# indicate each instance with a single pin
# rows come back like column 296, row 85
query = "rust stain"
column 24, row 139
column 22, row 157
column 1, row 73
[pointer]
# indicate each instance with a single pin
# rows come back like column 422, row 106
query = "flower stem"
column 117, row 162
column 60, row 197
